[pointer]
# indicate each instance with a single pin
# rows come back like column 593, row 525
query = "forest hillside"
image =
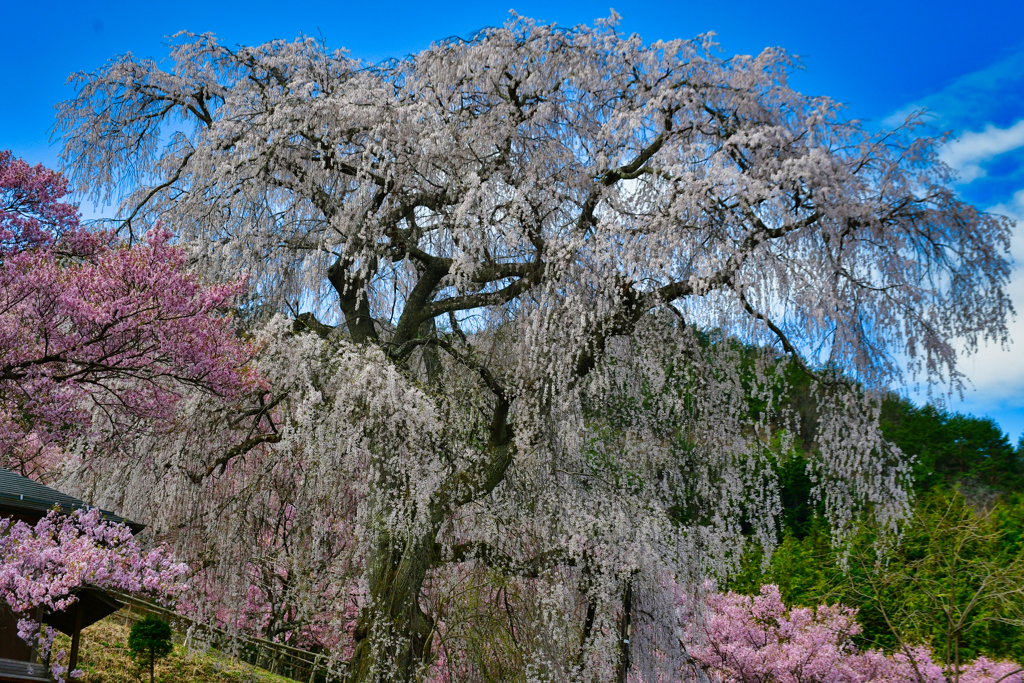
column 954, row 580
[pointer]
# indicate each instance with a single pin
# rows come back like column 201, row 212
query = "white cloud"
column 997, row 374
column 992, row 94
column 970, row 150
column 1015, row 210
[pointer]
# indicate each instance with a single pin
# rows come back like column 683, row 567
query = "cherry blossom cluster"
column 95, row 334
column 43, row 566
column 31, row 212
column 757, row 639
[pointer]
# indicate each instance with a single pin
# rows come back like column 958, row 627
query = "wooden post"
column 75, row 635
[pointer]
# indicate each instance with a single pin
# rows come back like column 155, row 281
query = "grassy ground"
column 103, row 658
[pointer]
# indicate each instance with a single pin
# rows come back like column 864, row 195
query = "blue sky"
column 963, row 61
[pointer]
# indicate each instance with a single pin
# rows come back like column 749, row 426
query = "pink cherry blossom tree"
column 42, row 566
column 757, row 639
column 96, row 335
column 31, row 210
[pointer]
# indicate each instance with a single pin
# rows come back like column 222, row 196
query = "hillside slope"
column 104, row 658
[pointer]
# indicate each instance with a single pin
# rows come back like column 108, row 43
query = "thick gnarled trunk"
column 392, row 632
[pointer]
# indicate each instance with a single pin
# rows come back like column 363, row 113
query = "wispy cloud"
column 997, row 373
column 967, row 153
column 993, row 94
column 898, row 117
column 984, row 111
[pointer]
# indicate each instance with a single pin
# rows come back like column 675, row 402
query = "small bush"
column 150, row 639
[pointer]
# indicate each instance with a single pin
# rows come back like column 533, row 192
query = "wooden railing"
column 277, row 658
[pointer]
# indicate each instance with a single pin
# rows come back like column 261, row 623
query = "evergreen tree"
column 150, row 639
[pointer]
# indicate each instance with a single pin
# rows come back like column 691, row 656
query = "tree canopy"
column 97, row 339
column 150, row 639
column 498, row 254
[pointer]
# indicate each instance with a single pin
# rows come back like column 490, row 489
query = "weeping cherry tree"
column 545, row 287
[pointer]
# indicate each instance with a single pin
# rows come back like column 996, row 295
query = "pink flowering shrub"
column 44, row 565
column 757, row 639
column 93, row 329
column 981, row 670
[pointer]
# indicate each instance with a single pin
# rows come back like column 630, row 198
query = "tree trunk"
column 353, row 300
column 391, row 633
column 625, row 633
column 152, row 659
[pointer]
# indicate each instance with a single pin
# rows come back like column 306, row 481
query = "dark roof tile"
column 21, row 494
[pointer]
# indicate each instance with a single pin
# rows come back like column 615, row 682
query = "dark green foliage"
column 956, row 580
column 952, row 448
column 149, row 640
column 798, row 512
column 948, row 449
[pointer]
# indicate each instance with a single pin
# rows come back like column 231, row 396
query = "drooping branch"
column 232, row 453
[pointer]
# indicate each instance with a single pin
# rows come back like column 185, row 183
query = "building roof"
column 94, row 604
column 21, row 495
